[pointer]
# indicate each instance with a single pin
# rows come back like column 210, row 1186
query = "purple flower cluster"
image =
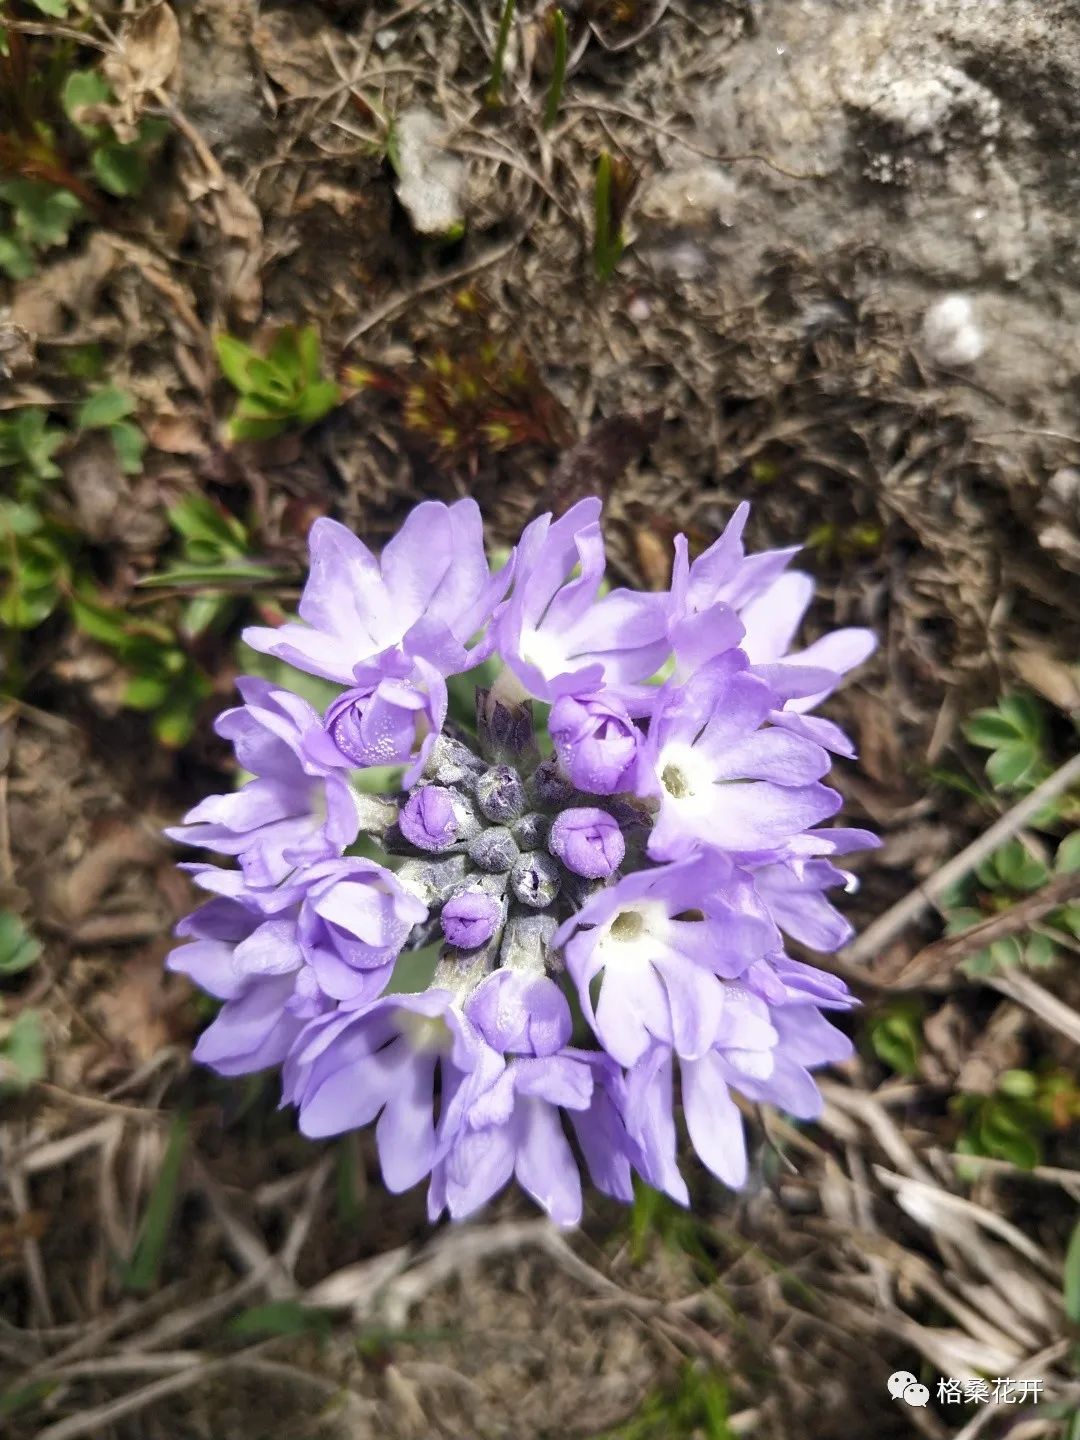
column 636, row 868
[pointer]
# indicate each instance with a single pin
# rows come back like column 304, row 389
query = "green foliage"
column 279, row 1317
column 608, row 242
column 696, row 1404
column 281, row 390
column 42, row 565
column 18, row 948
column 213, row 562
column 1014, row 731
column 558, row 69
column 22, row 1053
column 896, row 1034
column 107, row 409
column 120, row 167
column 1009, row 874
column 34, row 559
column 1014, row 1122
column 164, row 680
column 142, row 1271
column 41, row 217
column 493, row 93
column 476, row 395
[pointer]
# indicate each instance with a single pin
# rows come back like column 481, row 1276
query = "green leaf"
column 1010, row 766
column 56, row 9
column 279, row 1317
column 120, row 169
column 146, row 692
column 18, row 948
column 99, row 621
column 25, row 608
column 142, row 1272
column 1019, row 868
column 22, row 1053
column 200, row 613
column 1067, row 858
column 82, row 89
column 317, row 400
column 16, row 258
column 989, row 729
column 963, row 918
column 229, row 573
column 1070, row 1280
column 22, row 1397
column 130, row 445
column 1026, row 714
column 235, row 359
column 1018, row 1084
column 1039, row 952
column 242, row 428
column 309, row 354
column 105, row 407
column 44, row 213
column 200, row 520
column 1006, row 952
column 27, row 441
column 896, row 1036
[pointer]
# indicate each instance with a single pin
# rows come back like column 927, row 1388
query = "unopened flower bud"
column 470, row 918
column 531, row 831
column 428, row 818
column 535, row 879
column 451, row 763
column 493, row 850
column 380, row 724
column 549, row 786
column 500, row 794
column 432, row 880
column 596, row 741
column 588, row 841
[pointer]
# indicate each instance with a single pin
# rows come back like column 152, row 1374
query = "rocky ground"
column 849, row 293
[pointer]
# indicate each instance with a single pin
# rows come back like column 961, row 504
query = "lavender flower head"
column 639, row 863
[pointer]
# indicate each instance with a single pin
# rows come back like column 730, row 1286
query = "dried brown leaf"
column 149, row 48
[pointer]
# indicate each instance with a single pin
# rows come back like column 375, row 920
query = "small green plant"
column 558, row 69
column 493, row 93
column 108, row 409
column 164, row 680
column 1014, row 731
column 1005, row 877
column 896, row 1034
column 34, row 550
column 18, row 948
column 478, row 394
column 38, row 549
column 616, row 182
column 40, row 217
column 213, row 564
column 695, row 1404
column 59, row 152
column 1014, row 1122
column 120, row 167
column 281, row 390
column 22, row 1052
